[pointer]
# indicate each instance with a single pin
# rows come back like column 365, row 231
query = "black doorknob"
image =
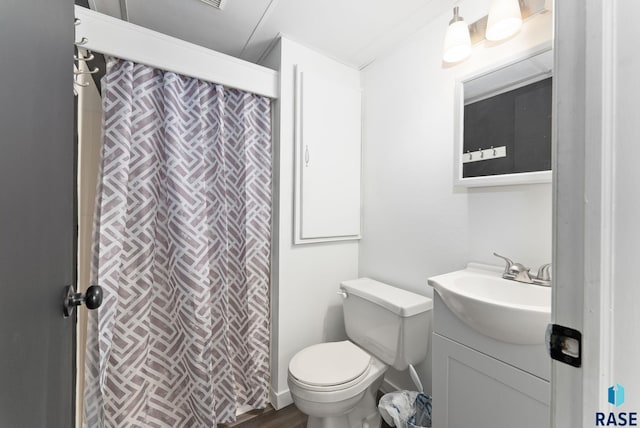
column 92, row 298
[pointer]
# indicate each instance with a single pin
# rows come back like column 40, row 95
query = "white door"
column 596, row 209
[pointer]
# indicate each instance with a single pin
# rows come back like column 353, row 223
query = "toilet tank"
column 392, row 324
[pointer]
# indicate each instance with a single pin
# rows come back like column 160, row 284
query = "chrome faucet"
column 544, row 276
column 520, row 273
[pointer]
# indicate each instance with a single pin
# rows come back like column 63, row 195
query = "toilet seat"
column 329, row 366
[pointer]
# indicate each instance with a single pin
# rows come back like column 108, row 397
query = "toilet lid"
column 328, row 364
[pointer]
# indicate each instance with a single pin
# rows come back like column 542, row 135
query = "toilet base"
column 373, row 421
column 364, row 415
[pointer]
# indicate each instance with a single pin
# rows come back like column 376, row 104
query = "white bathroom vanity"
column 482, row 381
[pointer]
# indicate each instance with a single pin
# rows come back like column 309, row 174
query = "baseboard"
column 388, row 386
column 280, row 399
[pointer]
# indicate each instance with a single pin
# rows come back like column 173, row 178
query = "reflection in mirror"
column 503, row 124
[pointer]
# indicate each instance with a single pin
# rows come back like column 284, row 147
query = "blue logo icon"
column 616, row 395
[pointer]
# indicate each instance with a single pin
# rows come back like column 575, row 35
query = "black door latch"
column 565, row 344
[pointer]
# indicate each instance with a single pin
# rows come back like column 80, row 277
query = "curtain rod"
column 121, row 39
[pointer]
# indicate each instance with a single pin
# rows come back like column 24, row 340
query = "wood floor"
column 287, row 417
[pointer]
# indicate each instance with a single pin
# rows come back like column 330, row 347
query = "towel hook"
column 80, row 56
column 94, row 71
column 84, row 58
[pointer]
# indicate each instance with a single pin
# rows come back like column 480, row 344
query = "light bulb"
column 457, row 42
column 505, row 19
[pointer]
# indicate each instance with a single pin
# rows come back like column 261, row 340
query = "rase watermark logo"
column 615, row 397
column 616, row 394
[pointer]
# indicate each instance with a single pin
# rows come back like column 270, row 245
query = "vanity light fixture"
column 218, row 4
column 457, row 42
column 505, row 19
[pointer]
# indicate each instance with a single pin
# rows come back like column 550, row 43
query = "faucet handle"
column 543, row 272
column 518, row 268
column 510, row 263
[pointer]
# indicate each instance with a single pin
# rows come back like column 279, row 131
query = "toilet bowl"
column 336, row 383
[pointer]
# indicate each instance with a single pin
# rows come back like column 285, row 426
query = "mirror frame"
column 490, row 180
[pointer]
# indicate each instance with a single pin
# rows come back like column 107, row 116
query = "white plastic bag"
column 397, row 407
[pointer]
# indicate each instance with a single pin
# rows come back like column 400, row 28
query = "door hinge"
column 564, row 344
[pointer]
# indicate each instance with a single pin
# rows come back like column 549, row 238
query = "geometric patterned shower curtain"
column 182, row 252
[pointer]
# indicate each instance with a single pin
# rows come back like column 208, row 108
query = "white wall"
column 416, row 224
column 305, row 307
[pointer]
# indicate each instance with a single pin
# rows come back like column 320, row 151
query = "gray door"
column 36, row 213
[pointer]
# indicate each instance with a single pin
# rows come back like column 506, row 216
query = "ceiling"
column 354, row 32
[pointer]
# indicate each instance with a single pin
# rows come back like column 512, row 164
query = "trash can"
column 406, row 409
column 422, row 415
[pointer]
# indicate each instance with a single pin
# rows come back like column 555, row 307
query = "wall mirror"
column 503, row 123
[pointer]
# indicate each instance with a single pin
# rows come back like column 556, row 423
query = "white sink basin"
column 506, row 310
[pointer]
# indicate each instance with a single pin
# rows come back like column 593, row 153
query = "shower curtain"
column 182, row 251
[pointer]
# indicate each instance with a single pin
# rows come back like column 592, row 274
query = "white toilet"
column 336, row 383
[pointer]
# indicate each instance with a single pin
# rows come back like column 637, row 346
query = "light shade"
column 457, row 43
column 505, row 19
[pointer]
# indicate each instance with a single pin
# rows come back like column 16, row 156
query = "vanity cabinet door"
column 471, row 389
column 328, row 157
